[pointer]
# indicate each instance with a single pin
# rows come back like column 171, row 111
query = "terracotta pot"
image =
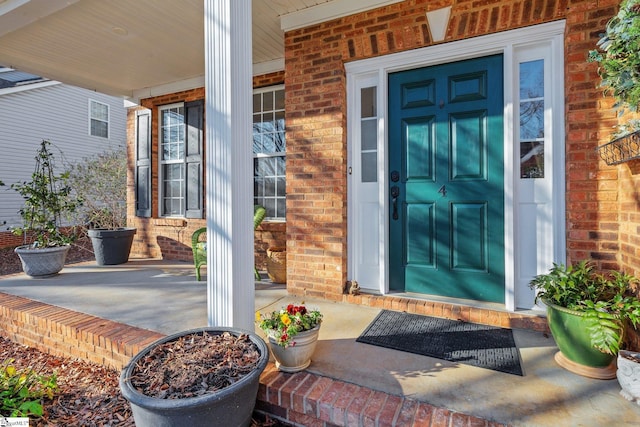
column 277, row 264
column 297, row 357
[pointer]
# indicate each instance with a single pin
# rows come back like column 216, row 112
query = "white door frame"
column 515, row 46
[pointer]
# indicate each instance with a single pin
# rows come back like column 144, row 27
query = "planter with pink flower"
column 293, row 334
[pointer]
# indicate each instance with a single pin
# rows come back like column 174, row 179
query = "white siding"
column 59, row 113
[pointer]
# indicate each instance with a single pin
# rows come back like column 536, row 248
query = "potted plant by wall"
column 101, row 181
column 588, row 313
column 48, row 202
column 200, row 377
column 293, row 334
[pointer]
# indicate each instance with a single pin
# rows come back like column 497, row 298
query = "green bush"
column 22, row 390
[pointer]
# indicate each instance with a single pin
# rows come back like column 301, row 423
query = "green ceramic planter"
column 573, row 340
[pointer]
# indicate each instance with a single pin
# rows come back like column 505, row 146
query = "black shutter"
column 143, row 163
column 194, row 112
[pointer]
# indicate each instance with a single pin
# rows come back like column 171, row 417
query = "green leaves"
column 618, row 57
column 48, row 200
column 606, row 300
column 22, row 390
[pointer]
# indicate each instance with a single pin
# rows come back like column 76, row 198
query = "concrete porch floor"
column 163, row 296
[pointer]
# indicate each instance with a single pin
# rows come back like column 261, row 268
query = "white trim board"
column 505, row 43
column 328, row 11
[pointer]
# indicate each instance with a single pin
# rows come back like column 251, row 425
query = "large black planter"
column 229, row 407
column 111, row 247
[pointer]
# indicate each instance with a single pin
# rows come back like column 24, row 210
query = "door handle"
column 395, row 192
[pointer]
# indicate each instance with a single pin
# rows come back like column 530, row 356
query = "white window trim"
column 161, row 162
column 262, row 90
column 505, row 43
column 91, row 101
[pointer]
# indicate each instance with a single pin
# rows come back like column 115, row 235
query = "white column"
column 229, row 171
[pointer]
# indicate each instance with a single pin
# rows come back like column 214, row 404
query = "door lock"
column 395, row 192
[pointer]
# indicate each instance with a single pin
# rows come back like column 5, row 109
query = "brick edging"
column 302, row 398
column 69, row 333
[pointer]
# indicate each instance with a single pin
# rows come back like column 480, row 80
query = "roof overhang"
column 136, row 49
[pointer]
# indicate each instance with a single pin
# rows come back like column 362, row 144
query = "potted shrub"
column 48, row 201
column 200, row 377
column 101, row 181
column 292, row 333
column 588, row 313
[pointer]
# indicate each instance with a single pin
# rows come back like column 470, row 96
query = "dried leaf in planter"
column 194, row 365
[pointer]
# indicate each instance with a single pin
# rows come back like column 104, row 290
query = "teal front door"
column 446, row 206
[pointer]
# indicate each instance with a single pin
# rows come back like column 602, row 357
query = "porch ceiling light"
column 118, row 31
column 438, row 21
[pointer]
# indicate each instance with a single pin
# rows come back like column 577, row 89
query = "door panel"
column 447, row 210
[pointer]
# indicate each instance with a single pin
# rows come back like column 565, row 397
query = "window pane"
column 279, row 99
column 269, row 146
column 281, row 208
column 531, row 120
column 368, row 102
column 369, row 135
column 280, row 187
column 369, row 167
column 280, row 165
column 99, row 111
column 270, row 206
column 532, row 79
column 267, row 101
column 100, row 129
column 172, row 149
column 269, row 187
column 532, row 159
column 531, row 124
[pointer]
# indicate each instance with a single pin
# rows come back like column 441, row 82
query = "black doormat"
column 456, row 341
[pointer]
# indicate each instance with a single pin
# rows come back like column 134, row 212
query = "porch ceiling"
column 122, row 47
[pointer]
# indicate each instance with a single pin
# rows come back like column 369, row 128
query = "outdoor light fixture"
column 119, row 31
column 438, row 22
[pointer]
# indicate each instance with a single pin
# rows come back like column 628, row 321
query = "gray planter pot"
column 42, row 262
column 229, row 407
column 111, row 247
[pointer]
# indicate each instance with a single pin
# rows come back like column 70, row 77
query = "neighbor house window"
column 269, row 151
column 180, row 139
column 98, row 119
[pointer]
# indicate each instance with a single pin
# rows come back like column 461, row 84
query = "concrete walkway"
column 163, row 296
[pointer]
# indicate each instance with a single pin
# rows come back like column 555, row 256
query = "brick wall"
column 315, row 84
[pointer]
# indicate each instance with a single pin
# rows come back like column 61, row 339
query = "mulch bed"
column 194, row 365
column 88, row 394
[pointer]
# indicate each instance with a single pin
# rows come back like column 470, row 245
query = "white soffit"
column 328, row 11
column 25, row 12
